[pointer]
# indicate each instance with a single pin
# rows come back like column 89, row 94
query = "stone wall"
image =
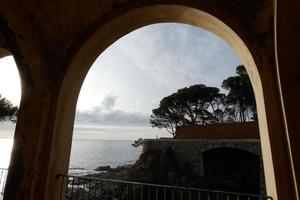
column 192, row 151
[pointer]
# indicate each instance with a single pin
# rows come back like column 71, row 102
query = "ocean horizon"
column 87, row 154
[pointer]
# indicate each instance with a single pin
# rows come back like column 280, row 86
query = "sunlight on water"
column 5, row 151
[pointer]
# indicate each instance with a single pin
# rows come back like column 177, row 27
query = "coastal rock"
column 155, row 166
column 103, row 168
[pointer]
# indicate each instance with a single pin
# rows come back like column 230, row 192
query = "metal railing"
column 3, row 175
column 83, row 188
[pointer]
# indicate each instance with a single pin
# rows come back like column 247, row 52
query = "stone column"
column 288, row 51
column 43, row 134
column 40, row 152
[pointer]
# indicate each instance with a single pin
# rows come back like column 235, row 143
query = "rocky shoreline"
column 159, row 166
column 156, row 167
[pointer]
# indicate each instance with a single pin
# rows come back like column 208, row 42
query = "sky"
column 130, row 77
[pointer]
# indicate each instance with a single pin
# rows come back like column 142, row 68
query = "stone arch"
column 250, row 146
column 260, row 70
column 232, row 169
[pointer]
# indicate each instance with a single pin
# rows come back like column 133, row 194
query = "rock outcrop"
column 155, row 166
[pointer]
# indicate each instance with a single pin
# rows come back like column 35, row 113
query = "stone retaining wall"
column 192, row 151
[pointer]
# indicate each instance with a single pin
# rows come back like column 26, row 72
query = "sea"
column 87, row 155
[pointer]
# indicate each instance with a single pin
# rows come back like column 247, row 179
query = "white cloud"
column 107, row 115
column 177, row 54
column 109, row 102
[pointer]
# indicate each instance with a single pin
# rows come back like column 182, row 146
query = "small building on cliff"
column 232, row 131
column 227, row 156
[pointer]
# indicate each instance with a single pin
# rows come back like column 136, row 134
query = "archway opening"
column 10, row 95
column 233, row 169
column 110, row 32
column 144, row 79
